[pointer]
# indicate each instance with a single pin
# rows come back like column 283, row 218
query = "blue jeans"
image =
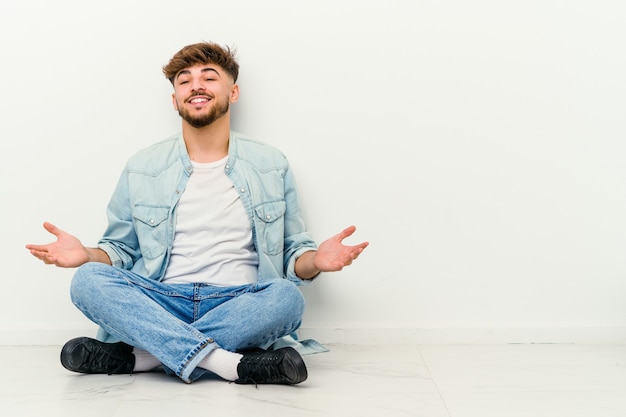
column 180, row 324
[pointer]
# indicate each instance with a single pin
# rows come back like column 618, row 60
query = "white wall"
column 478, row 145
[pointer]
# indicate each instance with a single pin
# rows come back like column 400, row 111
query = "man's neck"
column 209, row 143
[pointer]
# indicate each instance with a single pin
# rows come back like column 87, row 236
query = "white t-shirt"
column 213, row 238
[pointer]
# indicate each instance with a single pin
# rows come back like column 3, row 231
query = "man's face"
column 203, row 93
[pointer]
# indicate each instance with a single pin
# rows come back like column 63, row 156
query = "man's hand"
column 66, row 252
column 332, row 255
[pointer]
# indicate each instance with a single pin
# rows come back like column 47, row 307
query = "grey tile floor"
column 350, row 380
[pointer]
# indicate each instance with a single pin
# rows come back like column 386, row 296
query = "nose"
column 197, row 85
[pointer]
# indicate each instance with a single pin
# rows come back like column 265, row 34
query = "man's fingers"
column 52, row 228
column 346, row 232
column 38, row 254
column 35, row 250
column 44, row 256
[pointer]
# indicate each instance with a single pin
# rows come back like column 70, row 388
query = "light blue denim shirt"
column 142, row 210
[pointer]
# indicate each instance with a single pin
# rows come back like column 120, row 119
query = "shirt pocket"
column 271, row 226
column 151, row 227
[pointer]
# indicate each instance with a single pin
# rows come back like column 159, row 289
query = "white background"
column 478, row 145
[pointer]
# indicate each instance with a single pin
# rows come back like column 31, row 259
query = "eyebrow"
column 204, row 70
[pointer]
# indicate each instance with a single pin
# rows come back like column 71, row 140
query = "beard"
column 218, row 110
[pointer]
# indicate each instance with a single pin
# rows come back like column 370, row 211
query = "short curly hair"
column 202, row 53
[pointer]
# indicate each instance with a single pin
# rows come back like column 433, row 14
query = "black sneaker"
column 281, row 366
column 90, row 356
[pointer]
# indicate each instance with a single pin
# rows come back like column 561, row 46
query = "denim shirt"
column 142, row 210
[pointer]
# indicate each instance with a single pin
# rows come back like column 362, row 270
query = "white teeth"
column 199, row 100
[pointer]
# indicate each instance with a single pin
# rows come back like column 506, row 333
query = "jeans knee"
column 84, row 280
column 287, row 291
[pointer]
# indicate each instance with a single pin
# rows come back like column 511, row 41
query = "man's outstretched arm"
column 67, row 251
column 332, row 255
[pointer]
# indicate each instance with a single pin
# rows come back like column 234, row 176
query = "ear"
column 234, row 93
column 174, row 102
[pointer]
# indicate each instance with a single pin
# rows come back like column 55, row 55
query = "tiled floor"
column 380, row 381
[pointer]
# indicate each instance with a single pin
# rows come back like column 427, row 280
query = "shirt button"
column 268, row 217
column 151, row 221
column 243, row 190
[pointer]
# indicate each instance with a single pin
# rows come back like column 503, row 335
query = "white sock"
column 223, row 363
column 144, row 361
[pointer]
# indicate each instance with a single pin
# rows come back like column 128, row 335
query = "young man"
column 198, row 268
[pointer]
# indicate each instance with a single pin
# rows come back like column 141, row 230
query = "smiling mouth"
column 199, row 100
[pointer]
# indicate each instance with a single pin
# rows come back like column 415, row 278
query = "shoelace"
column 103, row 359
column 262, row 368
